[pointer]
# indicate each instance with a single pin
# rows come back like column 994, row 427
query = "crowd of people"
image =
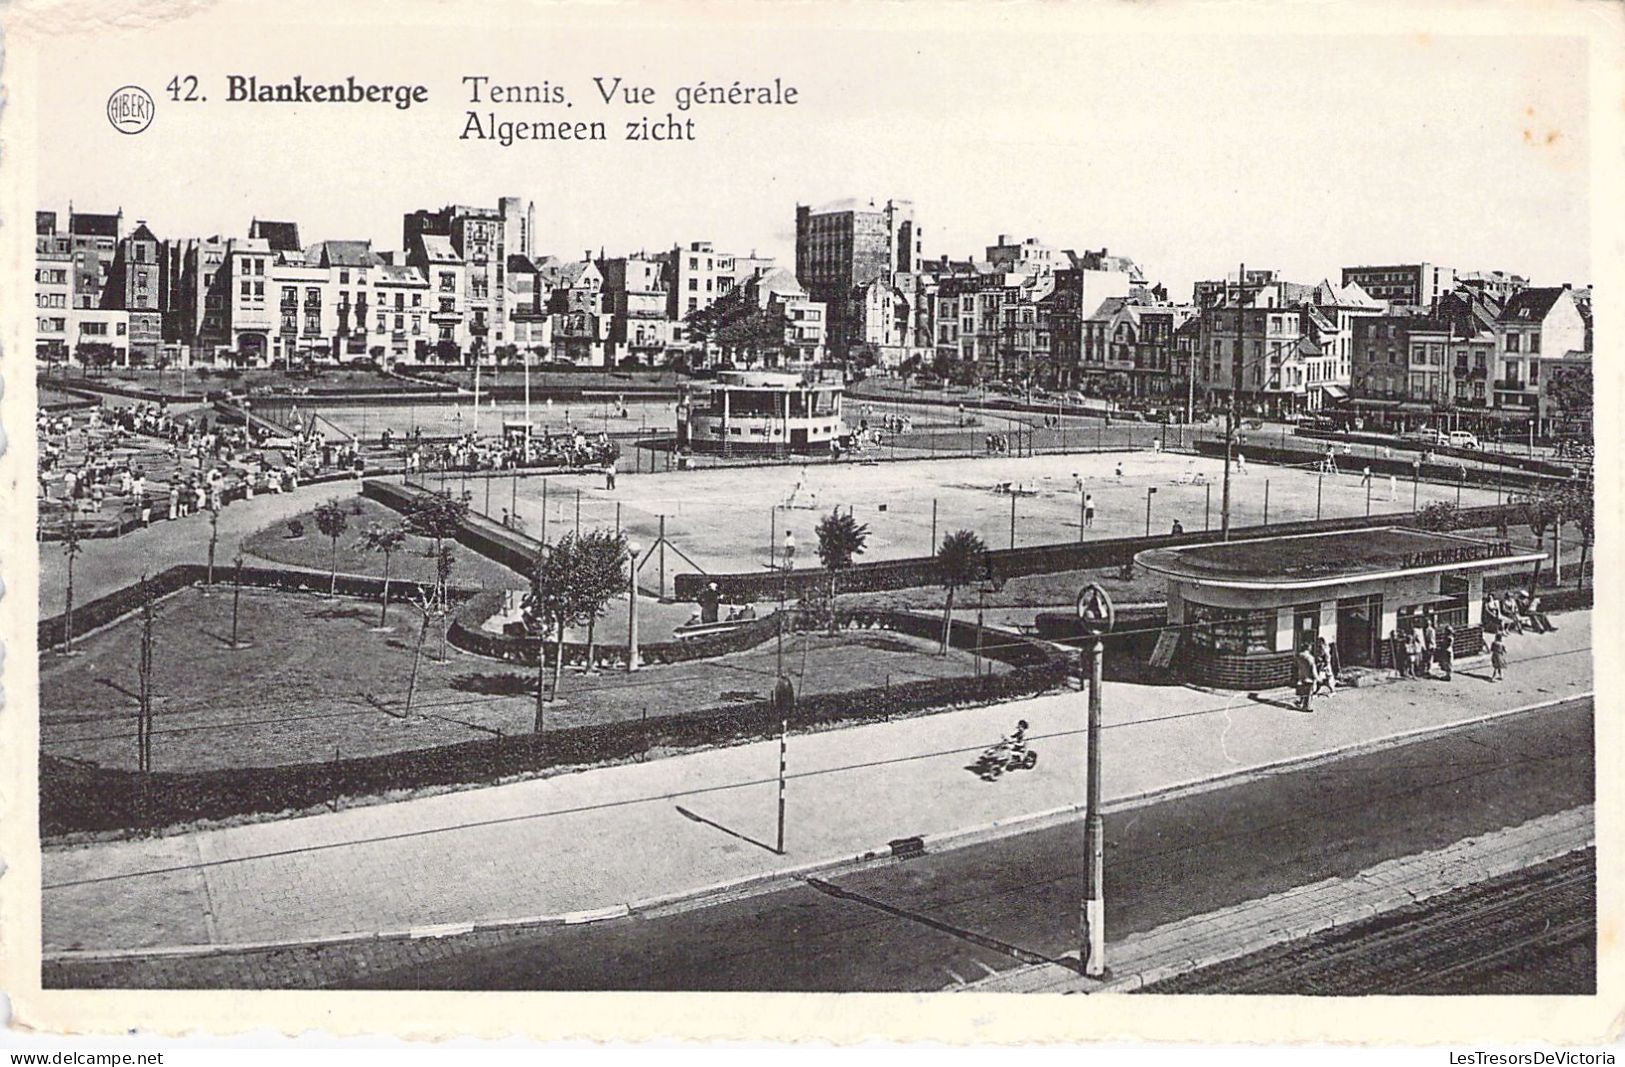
column 470, row 453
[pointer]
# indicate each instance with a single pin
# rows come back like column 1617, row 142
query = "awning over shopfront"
column 1335, row 392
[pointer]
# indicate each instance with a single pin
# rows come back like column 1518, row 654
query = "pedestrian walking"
column 1088, row 511
column 1413, row 645
column 1241, row 463
column 1393, row 488
column 1325, row 677
column 1430, row 644
column 1305, row 673
column 1119, row 470
column 1445, row 654
column 789, row 550
column 1365, row 475
column 1498, row 657
column 1399, row 645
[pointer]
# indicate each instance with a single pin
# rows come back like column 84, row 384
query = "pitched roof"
column 437, row 247
column 400, row 274
column 518, row 264
column 342, row 254
column 143, row 234
column 1531, row 305
column 283, row 236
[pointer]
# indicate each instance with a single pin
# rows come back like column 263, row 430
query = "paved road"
column 1530, row 932
column 926, row 923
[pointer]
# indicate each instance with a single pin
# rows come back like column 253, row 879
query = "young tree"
column 439, row 517
column 840, row 538
column 70, row 549
column 959, row 560
column 387, row 540
column 598, row 578
column 550, row 606
column 429, row 608
column 1579, row 507
column 332, row 520
column 1542, row 511
column 214, row 539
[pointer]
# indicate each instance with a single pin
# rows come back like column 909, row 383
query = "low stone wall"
column 514, row 550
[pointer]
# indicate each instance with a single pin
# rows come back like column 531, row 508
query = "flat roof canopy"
column 1305, row 560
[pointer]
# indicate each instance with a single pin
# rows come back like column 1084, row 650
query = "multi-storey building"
column 442, row 269
column 1498, row 285
column 1414, row 284
column 635, row 297
column 1129, row 347
column 282, row 237
column 306, row 328
column 843, row 246
column 1285, row 345
column 53, row 289
column 244, row 280
column 769, row 321
column 1078, row 293
column 135, row 284
column 197, row 315
column 93, row 240
column 575, row 304
column 400, row 313
column 992, row 321
column 1028, row 256
column 1537, row 326
column 477, row 235
column 518, row 226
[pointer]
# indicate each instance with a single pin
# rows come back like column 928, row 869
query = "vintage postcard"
column 918, row 508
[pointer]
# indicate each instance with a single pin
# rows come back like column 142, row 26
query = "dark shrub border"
column 78, row 798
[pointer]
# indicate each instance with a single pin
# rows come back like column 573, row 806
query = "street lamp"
column 1149, row 493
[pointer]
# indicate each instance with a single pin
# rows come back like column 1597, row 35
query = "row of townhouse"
column 1474, row 356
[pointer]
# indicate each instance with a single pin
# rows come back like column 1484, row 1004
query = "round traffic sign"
column 1095, row 609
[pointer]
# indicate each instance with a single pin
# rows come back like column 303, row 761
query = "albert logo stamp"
column 129, row 109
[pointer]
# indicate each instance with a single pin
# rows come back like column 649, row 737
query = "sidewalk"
column 604, row 840
column 107, row 564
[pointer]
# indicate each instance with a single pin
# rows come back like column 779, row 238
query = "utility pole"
column 632, row 609
column 1230, row 409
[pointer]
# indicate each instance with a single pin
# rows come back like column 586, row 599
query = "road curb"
column 942, row 841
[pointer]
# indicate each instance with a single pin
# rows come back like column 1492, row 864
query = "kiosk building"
column 1239, row 609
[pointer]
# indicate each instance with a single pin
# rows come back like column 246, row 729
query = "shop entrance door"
column 1359, row 628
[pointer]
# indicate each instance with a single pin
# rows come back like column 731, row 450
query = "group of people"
column 1316, row 668
column 1517, row 611
column 575, row 449
column 997, row 444
column 1422, row 645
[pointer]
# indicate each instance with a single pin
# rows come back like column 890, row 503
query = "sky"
column 1190, row 152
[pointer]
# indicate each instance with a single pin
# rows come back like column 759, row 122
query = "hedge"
column 922, row 571
column 79, row 798
column 1446, row 473
column 94, row 614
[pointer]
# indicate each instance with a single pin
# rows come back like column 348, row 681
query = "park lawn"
column 318, row 682
column 413, row 562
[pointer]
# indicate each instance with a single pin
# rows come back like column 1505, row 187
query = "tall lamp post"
column 1149, row 493
column 1095, row 618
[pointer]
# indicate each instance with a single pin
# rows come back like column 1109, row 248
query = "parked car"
column 1463, row 439
column 1425, row 437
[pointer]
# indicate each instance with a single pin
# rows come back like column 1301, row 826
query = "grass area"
column 318, row 682
column 200, row 380
column 415, row 561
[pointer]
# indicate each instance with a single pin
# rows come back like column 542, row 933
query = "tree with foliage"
column 332, row 520
column 841, row 538
column 386, row 540
column 550, row 606
column 959, row 561
column 1542, row 510
column 438, row 517
column 598, row 578
column 1440, row 516
column 1579, row 505
column 1569, row 389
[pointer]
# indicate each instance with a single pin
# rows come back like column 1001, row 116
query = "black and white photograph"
column 929, row 499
